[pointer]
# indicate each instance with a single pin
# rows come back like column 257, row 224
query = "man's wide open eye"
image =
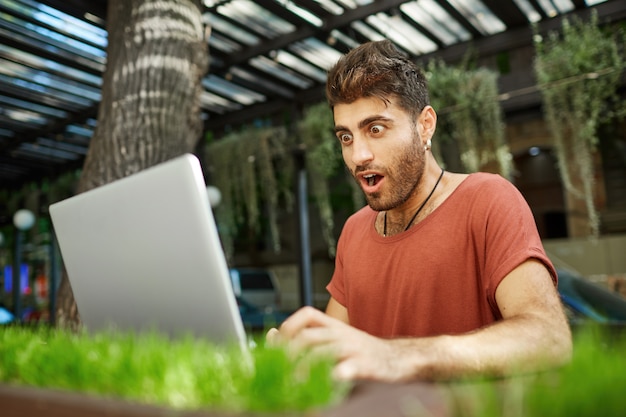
column 377, row 129
column 344, row 138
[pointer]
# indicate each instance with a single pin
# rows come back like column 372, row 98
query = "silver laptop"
column 143, row 254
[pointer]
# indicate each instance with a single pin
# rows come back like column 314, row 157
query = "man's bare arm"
column 338, row 311
column 533, row 335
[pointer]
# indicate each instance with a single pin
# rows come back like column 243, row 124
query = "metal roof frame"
column 266, row 56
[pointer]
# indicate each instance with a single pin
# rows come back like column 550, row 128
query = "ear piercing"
column 429, row 145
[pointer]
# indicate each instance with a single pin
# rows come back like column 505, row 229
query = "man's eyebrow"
column 339, row 128
column 363, row 123
column 372, row 119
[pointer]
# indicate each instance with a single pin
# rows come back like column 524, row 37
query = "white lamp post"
column 215, row 195
column 23, row 220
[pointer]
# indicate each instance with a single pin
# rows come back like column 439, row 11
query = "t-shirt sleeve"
column 510, row 235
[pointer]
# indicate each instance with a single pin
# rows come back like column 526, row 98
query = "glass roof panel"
column 303, row 13
column 16, row 125
column 336, row 35
column 430, row 15
column 303, row 67
column 220, row 42
column 349, row 4
column 81, row 150
column 531, row 14
column 16, row 103
column 19, row 35
column 72, row 102
column 216, row 103
column 25, row 116
column 352, row 4
column 43, row 78
column 254, row 79
column 43, row 152
column 217, row 23
column 21, row 30
column 60, row 21
column 275, row 69
column 593, row 2
column 333, row 7
column 258, row 19
column 564, row 6
column 70, row 25
column 402, row 33
column 231, row 91
column 556, row 7
column 83, row 131
column 47, row 65
column 366, row 31
column 317, row 52
column 479, row 16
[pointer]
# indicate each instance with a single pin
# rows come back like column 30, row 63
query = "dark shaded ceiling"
column 266, row 56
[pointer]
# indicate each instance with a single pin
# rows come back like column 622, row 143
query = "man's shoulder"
column 483, row 189
column 486, row 177
column 487, row 180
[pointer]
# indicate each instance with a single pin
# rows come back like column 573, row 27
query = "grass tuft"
column 184, row 374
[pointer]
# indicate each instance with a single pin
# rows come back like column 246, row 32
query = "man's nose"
column 361, row 152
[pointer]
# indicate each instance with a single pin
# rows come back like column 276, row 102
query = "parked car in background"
column 258, row 297
column 257, row 287
column 256, row 319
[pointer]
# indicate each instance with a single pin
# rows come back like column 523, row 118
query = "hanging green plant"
column 470, row 115
column 578, row 73
column 322, row 161
column 255, row 172
column 242, row 166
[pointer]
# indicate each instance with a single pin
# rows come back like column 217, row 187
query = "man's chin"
column 375, row 203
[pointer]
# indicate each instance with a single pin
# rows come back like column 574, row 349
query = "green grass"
column 593, row 384
column 192, row 374
column 183, row 374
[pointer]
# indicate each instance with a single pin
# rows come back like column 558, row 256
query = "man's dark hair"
column 378, row 69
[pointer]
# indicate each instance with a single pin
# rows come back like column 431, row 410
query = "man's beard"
column 402, row 178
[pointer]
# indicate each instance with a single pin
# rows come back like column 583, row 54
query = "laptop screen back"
column 143, row 253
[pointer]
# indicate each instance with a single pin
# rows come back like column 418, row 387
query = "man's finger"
column 304, row 318
column 345, row 371
column 273, row 337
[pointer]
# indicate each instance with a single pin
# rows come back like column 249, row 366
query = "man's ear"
column 427, row 123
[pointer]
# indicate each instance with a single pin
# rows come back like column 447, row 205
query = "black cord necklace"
column 418, row 210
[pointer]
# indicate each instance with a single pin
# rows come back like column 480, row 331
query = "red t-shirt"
column 440, row 276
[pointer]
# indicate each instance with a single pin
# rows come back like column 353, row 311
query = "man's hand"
column 358, row 354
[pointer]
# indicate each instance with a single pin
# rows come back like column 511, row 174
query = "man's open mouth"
column 371, row 179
